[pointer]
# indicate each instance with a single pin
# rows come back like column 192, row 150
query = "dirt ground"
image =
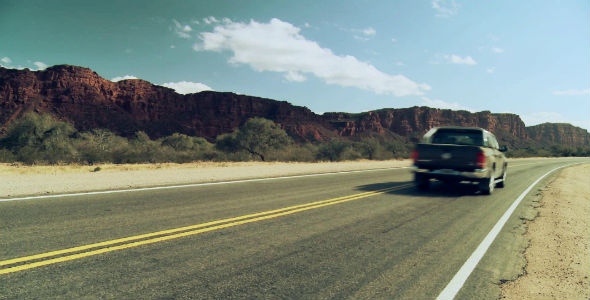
column 558, row 255
column 17, row 180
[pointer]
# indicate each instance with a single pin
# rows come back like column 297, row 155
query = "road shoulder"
column 557, row 257
column 18, row 180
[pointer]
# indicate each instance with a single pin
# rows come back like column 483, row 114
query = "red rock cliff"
column 559, row 134
column 89, row 101
column 415, row 121
column 82, row 97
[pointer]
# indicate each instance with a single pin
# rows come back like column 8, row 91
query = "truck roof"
column 460, row 128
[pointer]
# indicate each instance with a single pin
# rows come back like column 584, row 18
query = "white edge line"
column 191, row 185
column 451, row 290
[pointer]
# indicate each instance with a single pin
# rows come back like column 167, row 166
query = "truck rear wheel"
column 421, row 181
column 487, row 186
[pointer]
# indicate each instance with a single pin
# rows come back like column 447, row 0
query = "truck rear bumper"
column 449, row 174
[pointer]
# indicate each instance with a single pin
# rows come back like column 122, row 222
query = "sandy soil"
column 16, row 180
column 558, row 256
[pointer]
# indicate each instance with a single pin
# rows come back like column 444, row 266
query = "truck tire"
column 487, row 186
column 501, row 183
column 421, row 181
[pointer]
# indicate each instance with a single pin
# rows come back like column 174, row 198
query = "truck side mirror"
column 503, row 149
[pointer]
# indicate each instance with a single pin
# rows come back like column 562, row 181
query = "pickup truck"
column 455, row 154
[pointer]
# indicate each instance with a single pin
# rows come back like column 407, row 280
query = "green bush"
column 7, row 156
column 101, row 145
column 294, row 152
column 337, row 150
column 258, row 136
column 38, row 138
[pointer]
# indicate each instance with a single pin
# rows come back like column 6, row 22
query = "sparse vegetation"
column 40, row 139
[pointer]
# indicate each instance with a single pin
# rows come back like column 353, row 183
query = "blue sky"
column 531, row 58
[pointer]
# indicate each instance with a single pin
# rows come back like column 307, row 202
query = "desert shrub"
column 101, row 145
column 295, row 152
column 336, row 150
column 7, row 156
column 257, row 136
column 179, row 142
column 399, row 149
column 145, row 150
column 38, row 138
column 372, row 148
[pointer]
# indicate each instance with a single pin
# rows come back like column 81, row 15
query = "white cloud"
column 369, row 31
column 456, row 59
column 187, row 87
column 6, row 60
column 278, row 46
column 119, row 78
column 172, row 46
column 393, row 40
column 295, row 76
column 40, row 65
column 361, row 38
column 445, row 8
column 491, row 70
column 211, row 20
column 181, row 31
column 497, row 50
column 306, row 25
column 437, row 103
column 366, row 34
column 552, row 117
column 572, row 92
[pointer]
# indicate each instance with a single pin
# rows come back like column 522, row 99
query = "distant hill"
column 80, row 96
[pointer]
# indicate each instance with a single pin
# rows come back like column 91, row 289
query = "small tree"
column 40, row 138
column 257, row 136
column 101, row 145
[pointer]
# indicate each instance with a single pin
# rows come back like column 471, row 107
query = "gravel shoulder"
column 558, row 253
column 16, row 180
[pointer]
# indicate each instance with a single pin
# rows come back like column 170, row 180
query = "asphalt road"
column 366, row 235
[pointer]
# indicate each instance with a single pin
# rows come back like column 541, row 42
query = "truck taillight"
column 415, row 155
column 480, row 161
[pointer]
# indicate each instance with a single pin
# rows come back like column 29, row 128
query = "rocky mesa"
column 82, row 97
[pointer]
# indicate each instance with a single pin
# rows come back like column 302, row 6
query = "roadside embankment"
column 558, row 253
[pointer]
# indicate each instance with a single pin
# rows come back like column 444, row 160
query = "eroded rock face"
column 415, row 121
column 81, row 96
column 559, row 134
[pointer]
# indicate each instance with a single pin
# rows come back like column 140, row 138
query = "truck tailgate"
column 443, row 156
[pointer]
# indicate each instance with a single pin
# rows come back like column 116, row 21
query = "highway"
column 360, row 235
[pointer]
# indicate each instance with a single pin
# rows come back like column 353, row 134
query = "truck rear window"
column 473, row 138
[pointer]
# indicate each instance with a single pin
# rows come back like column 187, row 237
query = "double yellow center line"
column 53, row 257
